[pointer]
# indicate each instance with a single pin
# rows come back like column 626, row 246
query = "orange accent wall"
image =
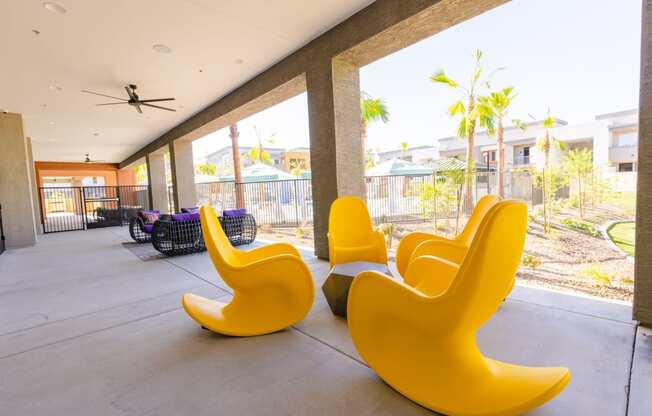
column 109, row 171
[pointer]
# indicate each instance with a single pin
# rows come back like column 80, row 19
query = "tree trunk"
column 234, row 134
column 546, row 188
column 501, row 157
column 470, row 161
column 581, row 196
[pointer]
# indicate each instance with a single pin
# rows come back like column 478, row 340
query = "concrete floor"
column 88, row 328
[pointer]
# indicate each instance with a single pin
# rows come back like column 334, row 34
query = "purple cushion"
column 192, row 210
column 148, row 228
column 186, row 217
column 240, row 212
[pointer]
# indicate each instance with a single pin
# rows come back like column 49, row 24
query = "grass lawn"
column 622, row 234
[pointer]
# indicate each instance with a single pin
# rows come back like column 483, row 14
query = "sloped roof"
column 398, row 167
column 260, row 172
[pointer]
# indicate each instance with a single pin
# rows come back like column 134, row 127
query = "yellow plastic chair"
column 418, row 243
column 272, row 286
column 422, row 340
column 351, row 235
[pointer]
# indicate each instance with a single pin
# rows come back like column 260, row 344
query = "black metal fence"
column 79, row 208
column 288, row 203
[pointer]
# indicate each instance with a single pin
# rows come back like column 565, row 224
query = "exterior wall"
column 301, row 156
column 223, row 158
column 15, row 185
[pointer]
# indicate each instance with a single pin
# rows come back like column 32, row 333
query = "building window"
column 626, row 167
column 627, row 139
column 526, row 151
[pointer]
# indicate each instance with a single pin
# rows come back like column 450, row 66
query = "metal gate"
column 80, row 208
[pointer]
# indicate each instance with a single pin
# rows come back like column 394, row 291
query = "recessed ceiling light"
column 160, row 48
column 55, row 88
column 181, row 106
column 54, row 7
column 239, row 61
column 36, row 32
column 44, row 105
column 96, row 134
column 201, row 70
column 52, row 123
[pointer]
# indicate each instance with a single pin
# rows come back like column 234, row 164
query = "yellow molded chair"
column 272, row 286
column 422, row 340
column 351, row 235
column 417, row 243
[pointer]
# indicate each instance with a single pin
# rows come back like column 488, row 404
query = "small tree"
column 549, row 180
column 578, row 164
column 436, row 197
column 258, row 152
column 405, row 147
column 475, row 112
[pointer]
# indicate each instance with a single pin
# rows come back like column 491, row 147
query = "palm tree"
column 371, row 110
column 234, row 134
column 474, row 113
column 405, row 147
column 545, row 145
column 499, row 101
column 258, row 152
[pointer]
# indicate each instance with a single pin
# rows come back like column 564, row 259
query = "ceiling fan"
column 89, row 160
column 134, row 100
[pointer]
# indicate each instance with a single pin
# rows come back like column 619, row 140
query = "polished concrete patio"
column 87, row 327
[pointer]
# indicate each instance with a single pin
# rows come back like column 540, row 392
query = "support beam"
column 15, row 184
column 643, row 268
column 158, row 188
column 336, row 156
column 183, row 174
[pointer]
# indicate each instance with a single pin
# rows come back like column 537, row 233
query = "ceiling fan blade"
column 124, row 102
column 104, row 95
column 159, row 107
column 131, row 93
column 137, row 105
column 156, row 99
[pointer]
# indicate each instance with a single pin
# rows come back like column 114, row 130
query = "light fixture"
column 54, row 7
column 44, row 105
column 96, row 134
column 36, row 32
column 55, row 88
column 52, row 123
column 239, row 61
column 160, row 48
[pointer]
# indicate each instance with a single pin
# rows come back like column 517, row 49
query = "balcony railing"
column 521, row 160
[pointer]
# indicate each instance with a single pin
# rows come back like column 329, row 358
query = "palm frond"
column 441, row 78
column 457, row 108
column 463, row 128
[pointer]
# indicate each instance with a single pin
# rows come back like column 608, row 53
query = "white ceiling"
column 104, row 45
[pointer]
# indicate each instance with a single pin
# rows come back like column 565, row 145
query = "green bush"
column 598, row 275
column 581, row 226
column 531, row 261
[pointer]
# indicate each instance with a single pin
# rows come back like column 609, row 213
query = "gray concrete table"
column 336, row 287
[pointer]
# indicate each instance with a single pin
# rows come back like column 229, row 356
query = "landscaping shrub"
column 531, row 261
column 597, row 274
column 581, row 226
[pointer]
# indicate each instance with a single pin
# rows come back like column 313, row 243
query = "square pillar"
column 336, row 155
column 15, row 184
column 36, row 200
column 158, row 188
column 183, row 174
column 643, row 267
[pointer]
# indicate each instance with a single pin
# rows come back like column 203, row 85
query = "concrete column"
column 336, row 157
column 183, row 174
column 158, row 189
column 36, row 200
column 643, row 268
column 15, row 184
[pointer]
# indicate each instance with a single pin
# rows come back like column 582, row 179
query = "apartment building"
column 421, row 155
column 284, row 159
column 612, row 137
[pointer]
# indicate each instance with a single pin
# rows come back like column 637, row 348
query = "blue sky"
column 578, row 57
